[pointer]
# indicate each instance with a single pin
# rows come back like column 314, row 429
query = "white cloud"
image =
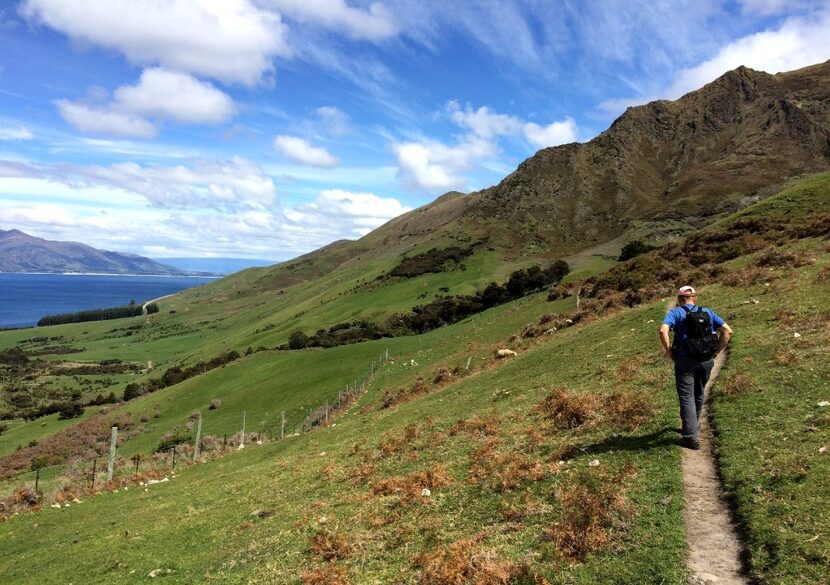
column 483, row 121
column 551, row 135
column 232, row 185
column 334, row 120
column 488, row 124
column 170, row 95
column 432, row 165
column 102, row 120
column 158, row 95
column 229, row 40
column 797, row 42
column 351, row 214
column 299, row 150
column 374, row 24
column 19, row 133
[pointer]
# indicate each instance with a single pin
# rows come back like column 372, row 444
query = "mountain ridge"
column 738, row 139
column 20, row 252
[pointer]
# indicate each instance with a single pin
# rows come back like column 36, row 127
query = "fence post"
column 136, row 461
column 197, row 446
column 173, row 450
column 94, row 469
column 244, row 416
column 111, row 464
column 282, row 425
column 469, row 360
column 37, row 479
column 387, row 354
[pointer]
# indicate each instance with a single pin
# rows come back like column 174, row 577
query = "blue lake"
column 25, row 298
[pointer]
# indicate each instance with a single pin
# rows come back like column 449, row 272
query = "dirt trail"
column 714, row 547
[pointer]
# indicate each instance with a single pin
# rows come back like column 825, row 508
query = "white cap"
column 686, row 291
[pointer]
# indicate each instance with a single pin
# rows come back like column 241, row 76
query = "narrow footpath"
column 714, row 547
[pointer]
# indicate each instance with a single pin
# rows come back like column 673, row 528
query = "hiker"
column 696, row 343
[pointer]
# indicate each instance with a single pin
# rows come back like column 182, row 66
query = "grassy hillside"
column 555, row 465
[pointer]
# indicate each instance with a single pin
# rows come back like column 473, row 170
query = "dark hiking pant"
column 690, row 377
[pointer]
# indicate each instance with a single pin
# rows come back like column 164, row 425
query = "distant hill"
column 20, row 252
column 219, row 266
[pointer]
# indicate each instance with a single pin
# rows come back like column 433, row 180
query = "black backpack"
column 700, row 341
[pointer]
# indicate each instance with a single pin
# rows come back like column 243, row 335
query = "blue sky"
column 268, row 128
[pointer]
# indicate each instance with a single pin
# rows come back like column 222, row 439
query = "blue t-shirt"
column 676, row 320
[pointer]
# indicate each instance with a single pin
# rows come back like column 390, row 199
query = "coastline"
column 213, row 276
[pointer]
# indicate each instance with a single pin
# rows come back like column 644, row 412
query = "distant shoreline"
column 116, row 274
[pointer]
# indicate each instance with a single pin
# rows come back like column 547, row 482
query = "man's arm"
column 725, row 335
column 666, row 342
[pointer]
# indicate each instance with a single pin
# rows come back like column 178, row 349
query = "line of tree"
column 444, row 310
column 431, row 261
column 132, row 310
column 178, row 374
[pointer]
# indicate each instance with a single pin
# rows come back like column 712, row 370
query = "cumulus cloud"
column 301, row 151
column 103, row 120
column 553, row 134
column 267, row 231
column 18, row 133
column 231, row 185
column 488, row 124
column 356, row 213
column 796, row 43
column 374, row 24
column 170, row 95
column 159, row 95
column 231, row 40
column 431, row 165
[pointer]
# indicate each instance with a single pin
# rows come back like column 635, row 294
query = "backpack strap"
column 685, row 308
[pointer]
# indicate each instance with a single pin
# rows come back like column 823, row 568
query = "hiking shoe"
column 689, row 443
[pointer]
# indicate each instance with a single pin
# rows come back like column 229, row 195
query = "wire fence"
column 110, row 472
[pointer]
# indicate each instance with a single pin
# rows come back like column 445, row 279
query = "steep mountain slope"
column 20, row 252
column 733, row 141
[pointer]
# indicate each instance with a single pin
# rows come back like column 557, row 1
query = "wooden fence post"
column 197, row 446
column 111, row 464
column 282, row 425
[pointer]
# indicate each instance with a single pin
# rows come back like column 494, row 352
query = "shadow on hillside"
column 658, row 439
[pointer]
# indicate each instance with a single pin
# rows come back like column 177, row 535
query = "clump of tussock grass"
column 594, row 507
column 465, row 561
column 409, row 488
column 567, row 410
column 504, row 471
column 330, row 545
column 477, row 426
column 628, row 410
column 328, row 574
column 737, row 384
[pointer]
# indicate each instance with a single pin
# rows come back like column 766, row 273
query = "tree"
column 634, row 248
column 556, row 271
column 297, row 340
